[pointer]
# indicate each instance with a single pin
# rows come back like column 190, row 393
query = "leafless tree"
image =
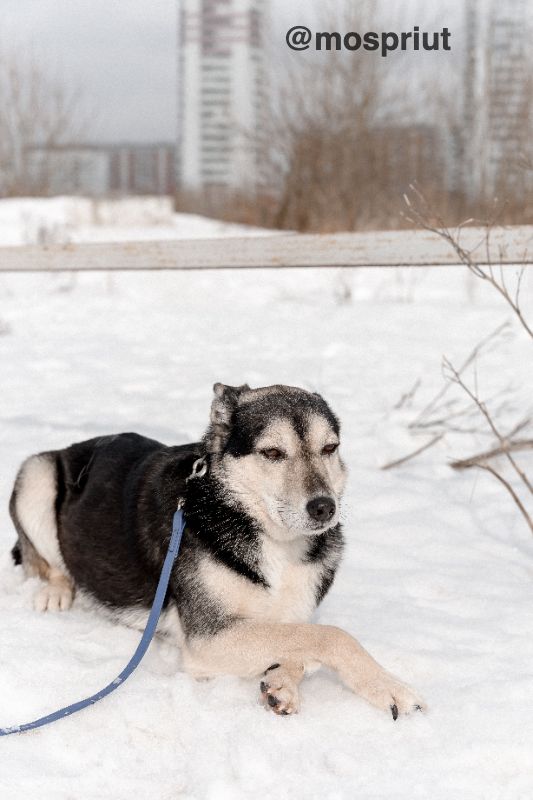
column 36, row 108
column 331, row 151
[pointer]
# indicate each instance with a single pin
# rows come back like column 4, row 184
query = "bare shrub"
column 442, row 416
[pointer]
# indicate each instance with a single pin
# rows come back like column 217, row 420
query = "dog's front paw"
column 386, row 692
column 279, row 691
column 54, row 597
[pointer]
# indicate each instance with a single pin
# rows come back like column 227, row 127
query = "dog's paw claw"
column 394, row 711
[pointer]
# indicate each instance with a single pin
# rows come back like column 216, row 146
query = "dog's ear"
column 224, row 404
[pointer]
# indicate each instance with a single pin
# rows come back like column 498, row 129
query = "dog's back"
column 76, row 514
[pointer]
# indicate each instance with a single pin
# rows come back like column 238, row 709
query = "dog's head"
column 275, row 451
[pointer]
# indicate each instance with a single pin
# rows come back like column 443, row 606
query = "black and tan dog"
column 262, row 543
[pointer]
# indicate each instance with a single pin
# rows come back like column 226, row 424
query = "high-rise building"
column 221, row 93
column 493, row 127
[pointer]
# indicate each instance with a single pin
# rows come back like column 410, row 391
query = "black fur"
column 324, row 585
column 115, row 520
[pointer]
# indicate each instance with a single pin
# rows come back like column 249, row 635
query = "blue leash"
column 178, row 525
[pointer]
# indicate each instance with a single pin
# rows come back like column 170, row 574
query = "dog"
column 261, row 495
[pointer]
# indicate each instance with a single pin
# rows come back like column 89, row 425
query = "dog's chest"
column 291, row 592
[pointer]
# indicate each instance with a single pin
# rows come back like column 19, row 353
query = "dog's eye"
column 328, row 449
column 272, row 454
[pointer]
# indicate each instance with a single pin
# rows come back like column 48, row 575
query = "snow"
column 437, row 577
column 82, row 219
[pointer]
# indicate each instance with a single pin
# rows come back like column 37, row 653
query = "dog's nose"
column 321, row 508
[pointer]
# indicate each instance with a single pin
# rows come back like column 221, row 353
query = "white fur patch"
column 291, row 596
column 35, row 506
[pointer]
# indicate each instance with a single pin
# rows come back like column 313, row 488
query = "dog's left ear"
column 224, row 404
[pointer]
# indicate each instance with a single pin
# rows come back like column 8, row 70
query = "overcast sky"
column 122, row 53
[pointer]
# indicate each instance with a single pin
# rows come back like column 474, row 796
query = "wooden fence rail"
column 511, row 245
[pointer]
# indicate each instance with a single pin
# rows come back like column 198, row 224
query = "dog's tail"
column 33, row 510
column 16, row 550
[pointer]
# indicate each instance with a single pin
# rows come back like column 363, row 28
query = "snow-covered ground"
column 82, row 219
column 437, row 578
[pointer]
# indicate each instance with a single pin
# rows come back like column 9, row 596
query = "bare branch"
column 421, row 214
column 407, row 396
column 468, row 361
column 415, row 453
column 456, row 378
column 511, row 491
column 481, row 458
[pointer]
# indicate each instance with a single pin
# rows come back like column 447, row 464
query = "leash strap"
column 178, row 525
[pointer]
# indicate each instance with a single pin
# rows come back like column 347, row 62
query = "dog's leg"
column 249, row 648
column 32, row 509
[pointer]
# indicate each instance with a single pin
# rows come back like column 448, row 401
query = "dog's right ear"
column 224, row 404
